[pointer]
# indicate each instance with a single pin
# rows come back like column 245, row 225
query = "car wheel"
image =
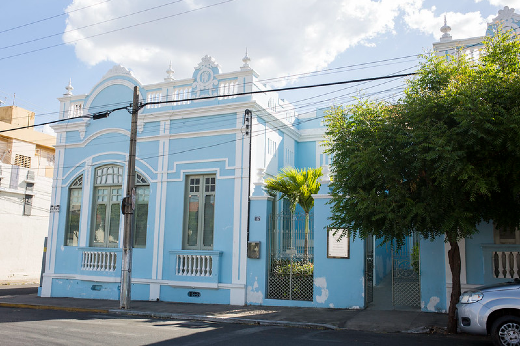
column 506, row 331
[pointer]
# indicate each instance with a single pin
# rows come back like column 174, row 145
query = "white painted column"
column 237, row 295
column 50, row 260
column 160, row 210
column 85, row 202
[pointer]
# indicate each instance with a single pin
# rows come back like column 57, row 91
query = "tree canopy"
column 439, row 161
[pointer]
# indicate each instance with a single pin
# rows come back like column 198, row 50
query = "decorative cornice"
column 103, row 85
column 320, row 196
column 308, row 135
column 261, row 198
column 118, row 70
column 79, row 125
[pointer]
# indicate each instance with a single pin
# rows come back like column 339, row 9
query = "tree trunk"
column 306, row 242
column 454, row 259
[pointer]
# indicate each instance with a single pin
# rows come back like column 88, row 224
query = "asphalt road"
column 49, row 327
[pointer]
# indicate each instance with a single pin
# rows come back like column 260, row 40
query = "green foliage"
column 439, row 161
column 297, row 268
column 297, row 186
column 416, row 258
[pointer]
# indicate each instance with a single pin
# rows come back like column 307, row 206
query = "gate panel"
column 369, row 270
column 406, row 289
column 291, row 265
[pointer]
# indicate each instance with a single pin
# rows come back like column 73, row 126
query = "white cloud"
column 46, row 129
column 463, row 25
column 502, row 3
column 282, row 36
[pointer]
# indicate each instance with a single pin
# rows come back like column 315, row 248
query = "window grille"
column 22, row 161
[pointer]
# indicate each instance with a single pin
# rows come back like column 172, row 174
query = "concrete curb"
column 206, row 318
column 237, row 320
column 51, row 307
column 173, row 316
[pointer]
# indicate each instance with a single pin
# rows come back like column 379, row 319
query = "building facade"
column 195, row 153
column 26, row 168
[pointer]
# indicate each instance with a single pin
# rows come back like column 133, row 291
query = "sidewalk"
column 391, row 321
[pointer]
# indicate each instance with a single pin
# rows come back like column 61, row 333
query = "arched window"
column 74, row 212
column 108, row 192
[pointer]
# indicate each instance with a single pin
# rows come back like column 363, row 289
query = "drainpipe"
column 248, row 120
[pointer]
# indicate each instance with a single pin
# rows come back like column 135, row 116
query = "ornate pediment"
column 118, row 70
column 507, row 18
column 205, row 82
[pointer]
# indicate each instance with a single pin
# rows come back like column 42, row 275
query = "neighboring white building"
column 26, row 168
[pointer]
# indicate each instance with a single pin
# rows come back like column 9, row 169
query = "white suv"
column 492, row 310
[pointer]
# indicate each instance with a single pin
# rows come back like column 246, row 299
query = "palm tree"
column 297, row 186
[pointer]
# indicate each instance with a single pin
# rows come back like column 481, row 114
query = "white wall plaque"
column 335, row 248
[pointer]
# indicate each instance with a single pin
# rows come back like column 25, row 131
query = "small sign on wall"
column 55, row 209
column 336, row 247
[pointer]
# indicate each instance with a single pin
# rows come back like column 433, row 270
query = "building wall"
column 24, row 226
column 22, row 235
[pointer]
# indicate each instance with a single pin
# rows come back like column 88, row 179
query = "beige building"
column 26, row 169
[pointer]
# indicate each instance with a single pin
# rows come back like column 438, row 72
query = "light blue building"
column 205, row 230
column 194, row 218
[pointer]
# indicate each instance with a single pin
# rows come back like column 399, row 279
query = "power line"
column 52, row 17
column 90, row 25
column 116, row 30
column 347, row 68
column 221, row 96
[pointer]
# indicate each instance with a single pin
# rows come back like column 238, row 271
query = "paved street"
column 47, row 327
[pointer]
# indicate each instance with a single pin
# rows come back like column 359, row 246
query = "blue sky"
column 283, row 38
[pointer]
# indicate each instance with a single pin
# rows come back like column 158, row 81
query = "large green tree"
column 297, row 186
column 443, row 159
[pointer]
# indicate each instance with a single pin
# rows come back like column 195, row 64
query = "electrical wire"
column 116, row 30
column 143, row 104
column 51, row 17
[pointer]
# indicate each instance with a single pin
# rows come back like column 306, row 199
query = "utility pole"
column 127, row 208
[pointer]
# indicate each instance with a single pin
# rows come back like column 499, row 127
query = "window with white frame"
column 74, row 212
column 506, row 235
column 199, row 212
column 76, row 110
column 108, row 192
column 142, row 192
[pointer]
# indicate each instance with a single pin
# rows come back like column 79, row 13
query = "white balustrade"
column 506, row 264
column 227, row 89
column 194, row 265
column 99, row 261
column 180, row 94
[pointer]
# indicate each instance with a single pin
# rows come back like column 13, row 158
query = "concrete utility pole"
column 127, row 208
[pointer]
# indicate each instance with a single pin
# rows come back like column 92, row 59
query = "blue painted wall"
column 433, row 276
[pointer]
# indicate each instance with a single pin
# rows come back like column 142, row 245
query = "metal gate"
column 369, row 270
column 406, row 289
column 291, row 264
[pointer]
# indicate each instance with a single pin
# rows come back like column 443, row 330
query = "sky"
column 44, row 44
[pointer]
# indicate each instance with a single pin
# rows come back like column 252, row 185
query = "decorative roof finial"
column 69, row 88
column 445, row 29
column 246, row 61
column 169, row 73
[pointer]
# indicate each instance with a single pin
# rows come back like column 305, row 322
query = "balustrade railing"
column 196, row 264
column 101, row 261
column 506, row 264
